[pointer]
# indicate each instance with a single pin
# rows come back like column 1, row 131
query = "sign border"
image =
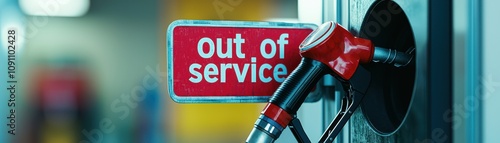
column 214, row 23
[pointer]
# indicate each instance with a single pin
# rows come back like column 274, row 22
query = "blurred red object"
column 61, row 104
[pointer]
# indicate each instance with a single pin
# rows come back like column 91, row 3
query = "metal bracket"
column 298, row 131
column 355, row 90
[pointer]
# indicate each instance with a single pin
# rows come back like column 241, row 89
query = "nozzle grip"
column 293, row 91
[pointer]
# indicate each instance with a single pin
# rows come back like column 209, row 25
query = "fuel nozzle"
column 330, row 49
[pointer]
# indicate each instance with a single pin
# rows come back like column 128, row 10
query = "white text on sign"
column 217, row 73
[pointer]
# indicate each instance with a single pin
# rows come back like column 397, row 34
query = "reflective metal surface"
column 392, row 56
column 259, row 136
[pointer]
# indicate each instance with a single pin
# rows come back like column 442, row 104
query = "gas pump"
column 401, row 104
column 391, row 59
column 330, row 49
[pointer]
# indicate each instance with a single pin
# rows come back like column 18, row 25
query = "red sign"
column 230, row 61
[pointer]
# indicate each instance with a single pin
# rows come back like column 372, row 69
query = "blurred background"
column 95, row 71
column 82, row 61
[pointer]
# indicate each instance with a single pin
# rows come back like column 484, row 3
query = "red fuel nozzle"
column 330, row 49
column 335, row 47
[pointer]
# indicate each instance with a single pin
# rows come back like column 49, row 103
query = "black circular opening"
column 389, row 95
